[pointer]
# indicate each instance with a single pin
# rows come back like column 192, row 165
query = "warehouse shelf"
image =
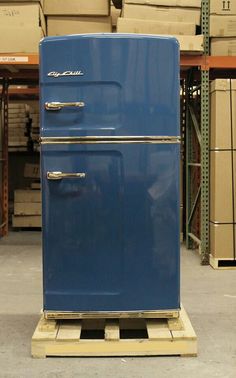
column 197, row 126
column 23, row 69
column 196, row 72
column 13, row 63
column 25, row 60
column 23, row 92
column 225, row 62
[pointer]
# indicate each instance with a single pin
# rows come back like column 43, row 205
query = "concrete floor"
column 209, row 297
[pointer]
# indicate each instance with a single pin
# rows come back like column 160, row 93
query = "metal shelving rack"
column 196, row 73
column 15, row 70
column 198, row 128
column 22, row 69
column 197, row 204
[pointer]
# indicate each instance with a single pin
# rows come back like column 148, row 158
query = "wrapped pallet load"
column 17, row 127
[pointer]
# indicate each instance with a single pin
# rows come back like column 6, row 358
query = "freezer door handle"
column 59, row 105
column 60, row 175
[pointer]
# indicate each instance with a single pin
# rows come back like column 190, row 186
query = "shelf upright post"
column 205, row 109
column 188, row 170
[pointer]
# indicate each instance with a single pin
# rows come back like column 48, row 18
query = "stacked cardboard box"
column 17, row 127
column 27, row 208
column 27, row 202
column 32, row 171
column 22, row 25
column 170, row 17
column 223, row 27
column 77, row 16
column 34, row 125
column 223, row 169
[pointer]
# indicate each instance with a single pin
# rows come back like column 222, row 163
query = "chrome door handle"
column 60, row 175
column 59, row 105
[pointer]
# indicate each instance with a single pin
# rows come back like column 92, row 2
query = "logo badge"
column 56, row 74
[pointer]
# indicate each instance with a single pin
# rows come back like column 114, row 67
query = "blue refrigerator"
column 110, row 149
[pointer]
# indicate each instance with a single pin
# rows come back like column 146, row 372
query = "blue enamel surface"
column 129, row 87
column 111, row 239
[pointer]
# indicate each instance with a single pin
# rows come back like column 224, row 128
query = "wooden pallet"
column 222, row 264
column 114, row 337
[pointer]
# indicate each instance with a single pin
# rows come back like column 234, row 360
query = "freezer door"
column 110, row 227
column 109, row 85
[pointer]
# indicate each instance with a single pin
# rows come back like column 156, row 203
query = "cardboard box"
column 36, row 185
column 224, row 7
column 78, row 25
column 21, row 15
column 221, row 240
column 23, row 1
column 223, row 114
column 27, row 221
column 15, row 133
column 188, row 43
column 18, row 138
column 221, row 186
column 222, row 26
column 77, row 7
column 223, row 46
column 27, row 195
column 163, row 14
column 168, row 3
column 31, row 171
column 22, row 26
column 20, row 40
column 29, row 208
column 132, row 25
column 18, row 107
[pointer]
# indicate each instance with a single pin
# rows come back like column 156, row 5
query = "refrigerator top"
column 109, row 85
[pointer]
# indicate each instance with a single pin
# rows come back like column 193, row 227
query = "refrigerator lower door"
column 111, row 227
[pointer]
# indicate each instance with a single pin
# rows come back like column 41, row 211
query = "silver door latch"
column 60, row 175
column 60, row 105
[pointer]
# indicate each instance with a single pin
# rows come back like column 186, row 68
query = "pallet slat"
column 69, row 332
column 222, row 264
column 158, row 330
column 112, row 330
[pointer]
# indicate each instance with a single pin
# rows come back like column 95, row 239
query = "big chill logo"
column 56, row 74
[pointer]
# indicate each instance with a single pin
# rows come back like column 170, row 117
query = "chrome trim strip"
column 111, row 314
column 108, row 139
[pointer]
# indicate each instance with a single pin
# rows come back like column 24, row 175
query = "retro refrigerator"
column 110, row 149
